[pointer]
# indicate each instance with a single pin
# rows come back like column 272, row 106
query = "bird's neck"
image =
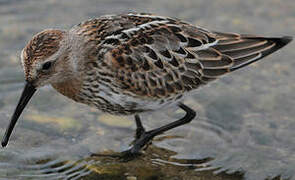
column 69, row 88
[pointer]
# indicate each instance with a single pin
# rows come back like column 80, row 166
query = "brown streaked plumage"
column 130, row 63
column 68, row 88
column 42, row 45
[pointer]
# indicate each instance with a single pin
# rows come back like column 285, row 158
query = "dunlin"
column 132, row 63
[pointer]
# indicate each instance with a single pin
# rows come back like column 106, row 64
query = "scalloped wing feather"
column 155, row 56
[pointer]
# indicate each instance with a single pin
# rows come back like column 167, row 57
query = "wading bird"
column 132, row 63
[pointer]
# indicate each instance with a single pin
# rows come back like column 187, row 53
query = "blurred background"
column 245, row 125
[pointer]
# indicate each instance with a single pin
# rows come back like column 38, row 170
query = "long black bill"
column 28, row 92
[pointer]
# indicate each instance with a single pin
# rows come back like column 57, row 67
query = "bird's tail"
column 246, row 49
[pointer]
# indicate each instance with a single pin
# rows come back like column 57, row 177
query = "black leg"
column 142, row 137
column 139, row 127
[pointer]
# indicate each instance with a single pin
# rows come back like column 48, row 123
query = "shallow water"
column 245, row 125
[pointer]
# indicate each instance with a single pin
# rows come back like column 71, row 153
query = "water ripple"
column 49, row 169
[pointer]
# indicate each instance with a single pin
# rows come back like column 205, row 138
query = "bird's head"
column 45, row 61
column 44, row 58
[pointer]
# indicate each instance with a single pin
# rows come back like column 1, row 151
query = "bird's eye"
column 46, row 65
